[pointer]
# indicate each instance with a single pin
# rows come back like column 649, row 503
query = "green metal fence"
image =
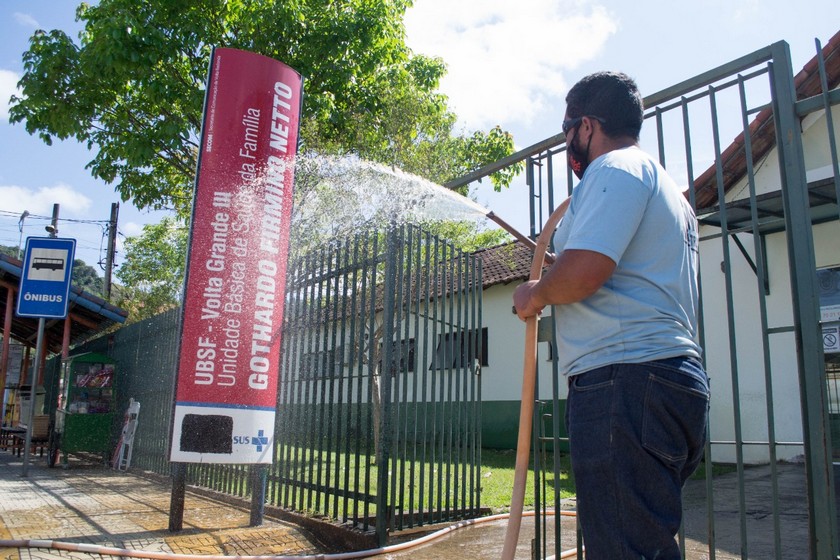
column 146, row 354
column 765, row 232
column 378, row 415
column 379, row 409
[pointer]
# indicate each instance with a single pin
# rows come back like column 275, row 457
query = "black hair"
column 612, row 96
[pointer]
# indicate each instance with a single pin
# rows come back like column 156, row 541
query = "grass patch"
column 497, row 474
column 428, row 487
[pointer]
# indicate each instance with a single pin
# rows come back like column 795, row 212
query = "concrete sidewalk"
column 87, row 503
column 91, row 504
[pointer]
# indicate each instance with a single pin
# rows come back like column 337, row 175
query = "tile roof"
column 503, row 264
column 763, row 129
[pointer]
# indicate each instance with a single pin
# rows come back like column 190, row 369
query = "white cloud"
column 507, row 61
column 131, row 229
column 26, row 20
column 40, row 201
column 8, row 88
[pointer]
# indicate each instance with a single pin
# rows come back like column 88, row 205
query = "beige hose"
column 526, row 409
column 527, row 241
column 113, row 551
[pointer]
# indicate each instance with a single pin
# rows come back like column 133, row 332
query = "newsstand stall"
column 85, row 415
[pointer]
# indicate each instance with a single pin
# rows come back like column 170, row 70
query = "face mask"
column 578, row 160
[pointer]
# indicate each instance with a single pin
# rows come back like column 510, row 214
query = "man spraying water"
column 625, row 285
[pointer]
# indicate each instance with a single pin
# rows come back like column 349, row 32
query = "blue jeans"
column 636, row 433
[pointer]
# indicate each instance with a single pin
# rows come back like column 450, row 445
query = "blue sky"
column 510, row 63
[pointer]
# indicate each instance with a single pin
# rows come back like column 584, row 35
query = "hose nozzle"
column 549, row 258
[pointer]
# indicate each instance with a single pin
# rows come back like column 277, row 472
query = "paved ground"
column 758, row 523
column 90, row 504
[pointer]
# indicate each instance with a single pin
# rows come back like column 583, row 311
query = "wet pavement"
column 87, row 503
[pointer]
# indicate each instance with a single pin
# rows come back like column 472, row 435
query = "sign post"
column 44, row 293
column 234, row 291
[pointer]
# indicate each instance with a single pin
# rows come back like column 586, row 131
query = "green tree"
column 86, row 278
column 152, row 273
column 132, row 88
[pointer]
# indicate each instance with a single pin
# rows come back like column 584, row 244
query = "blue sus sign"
column 45, row 277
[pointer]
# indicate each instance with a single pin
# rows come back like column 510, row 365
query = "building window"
column 402, row 351
column 453, row 347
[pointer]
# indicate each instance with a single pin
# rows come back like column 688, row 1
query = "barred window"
column 453, row 347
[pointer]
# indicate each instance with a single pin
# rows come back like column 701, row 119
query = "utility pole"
column 112, row 247
column 52, row 229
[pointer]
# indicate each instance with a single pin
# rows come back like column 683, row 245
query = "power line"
column 16, row 216
column 90, row 244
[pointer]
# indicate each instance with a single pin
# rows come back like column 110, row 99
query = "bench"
column 7, row 436
column 40, row 436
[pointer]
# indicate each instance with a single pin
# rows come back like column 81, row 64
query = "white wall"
column 749, row 381
column 743, row 337
column 502, row 379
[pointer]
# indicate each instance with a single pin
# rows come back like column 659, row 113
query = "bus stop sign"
column 45, row 277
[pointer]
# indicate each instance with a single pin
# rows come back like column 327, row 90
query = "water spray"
column 378, row 190
column 354, row 192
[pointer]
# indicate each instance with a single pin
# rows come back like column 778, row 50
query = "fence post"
column 258, row 475
column 177, row 497
column 822, row 516
column 384, row 513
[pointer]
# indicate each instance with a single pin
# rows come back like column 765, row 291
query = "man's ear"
column 585, row 127
column 591, row 124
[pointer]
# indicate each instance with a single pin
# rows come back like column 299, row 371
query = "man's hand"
column 523, row 300
column 574, row 276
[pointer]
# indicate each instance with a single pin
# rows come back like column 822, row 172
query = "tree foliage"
column 152, row 274
column 86, row 278
column 132, row 88
column 9, row 250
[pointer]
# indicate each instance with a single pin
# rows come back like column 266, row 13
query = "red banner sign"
column 233, row 303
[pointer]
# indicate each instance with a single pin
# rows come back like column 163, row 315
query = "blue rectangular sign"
column 45, row 277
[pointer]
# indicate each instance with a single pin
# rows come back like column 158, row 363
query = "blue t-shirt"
column 627, row 208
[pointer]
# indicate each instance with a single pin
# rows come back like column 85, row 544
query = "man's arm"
column 575, row 275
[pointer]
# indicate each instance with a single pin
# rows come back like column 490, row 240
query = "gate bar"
column 762, row 289
column 822, row 516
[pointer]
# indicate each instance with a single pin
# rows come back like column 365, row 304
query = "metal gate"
column 768, row 223
column 379, row 412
